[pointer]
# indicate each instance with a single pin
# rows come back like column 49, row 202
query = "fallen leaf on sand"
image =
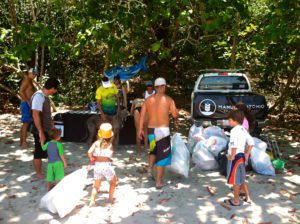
column 132, row 158
column 34, row 188
column 8, row 142
column 164, row 200
column 12, row 196
column 79, row 206
column 292, row 210
column 212, row 190
column 232, row 216
column 139, row 205
column 287, row 193
column 141, row 170
column 224, row 205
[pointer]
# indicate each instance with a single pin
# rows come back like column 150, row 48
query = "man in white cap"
column 158, row 107
column 108, row 103
column 27, row 89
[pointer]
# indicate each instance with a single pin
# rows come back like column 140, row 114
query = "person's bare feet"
column 92, row 204
column 110, row 202
column 40, row 176
column 24, row 145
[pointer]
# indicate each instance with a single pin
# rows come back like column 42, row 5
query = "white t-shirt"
column 149, row 94
column 239, row 138
column 38, row 100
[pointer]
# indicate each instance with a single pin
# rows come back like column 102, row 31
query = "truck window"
column 223, row 83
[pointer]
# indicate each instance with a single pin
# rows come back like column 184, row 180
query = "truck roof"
column 222, row 70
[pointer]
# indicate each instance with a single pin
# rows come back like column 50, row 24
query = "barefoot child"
column 56, row 158
column 240, row 144
column 100, row 154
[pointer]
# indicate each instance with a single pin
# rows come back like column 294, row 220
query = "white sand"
column 276, row 200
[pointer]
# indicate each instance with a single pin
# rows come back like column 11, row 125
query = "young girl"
column 136, row 111
column 100, row 154
column 56, row 158
column 249, row 121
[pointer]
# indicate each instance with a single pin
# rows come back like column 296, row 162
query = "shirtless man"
column 27, row 89
column 158, row 107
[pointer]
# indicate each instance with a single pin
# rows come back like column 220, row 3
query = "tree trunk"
column 36, row 60
column 10, row 91
column 234, row 42
column 203, row 21
column 292, row 74
column 42, row 72
column 12, row 12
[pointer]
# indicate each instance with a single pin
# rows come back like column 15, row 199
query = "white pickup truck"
column 217, row 91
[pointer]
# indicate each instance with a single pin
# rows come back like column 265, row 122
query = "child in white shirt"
column 240, row 144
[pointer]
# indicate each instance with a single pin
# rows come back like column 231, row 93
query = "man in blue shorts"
column 27, row 89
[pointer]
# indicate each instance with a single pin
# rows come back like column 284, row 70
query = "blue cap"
column 149, row 83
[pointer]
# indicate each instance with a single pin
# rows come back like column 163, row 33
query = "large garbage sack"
column 180, row 156
column 203, row 158
column 259, row 144
column 213, row 131
column 216, row 144
column 63, row 198
column 195, row 135
column 261, row 162
column 222, row 161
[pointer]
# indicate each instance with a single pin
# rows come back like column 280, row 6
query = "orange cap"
column 105, row 131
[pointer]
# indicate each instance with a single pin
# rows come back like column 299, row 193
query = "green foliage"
column 81, row 38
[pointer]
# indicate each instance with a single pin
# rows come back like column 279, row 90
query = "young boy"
column 239, row 148
column 56, row 158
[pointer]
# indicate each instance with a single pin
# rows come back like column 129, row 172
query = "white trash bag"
column 63, row 198
column 216, row 144
column 203, row 158
column 213, row 131
column 180, row 156
column 261, row 162
column 259, row 144
column 195, row 135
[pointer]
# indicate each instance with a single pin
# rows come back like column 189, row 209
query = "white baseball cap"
column 160, row 82
column 106, row 84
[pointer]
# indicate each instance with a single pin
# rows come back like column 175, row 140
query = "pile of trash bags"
column 63, row 198
column 180, row 156
column 260, row 160
column 205, row 144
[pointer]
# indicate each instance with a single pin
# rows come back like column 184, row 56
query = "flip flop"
column 230, row 202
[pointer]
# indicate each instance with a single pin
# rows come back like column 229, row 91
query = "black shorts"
column 38, row 151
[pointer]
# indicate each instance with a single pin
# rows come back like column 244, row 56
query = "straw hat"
column 105, row 131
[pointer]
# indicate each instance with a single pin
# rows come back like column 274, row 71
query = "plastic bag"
column 180, row 156
column 259, row 144
column 213, row 131
column 63, row 198
column 195, row 135
column 203, row 158
column 261, row 162
column 216, row 144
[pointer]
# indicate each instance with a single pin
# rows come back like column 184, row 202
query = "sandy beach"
column 183, row 200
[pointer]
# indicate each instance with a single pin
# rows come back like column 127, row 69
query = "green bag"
column 278, row 164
